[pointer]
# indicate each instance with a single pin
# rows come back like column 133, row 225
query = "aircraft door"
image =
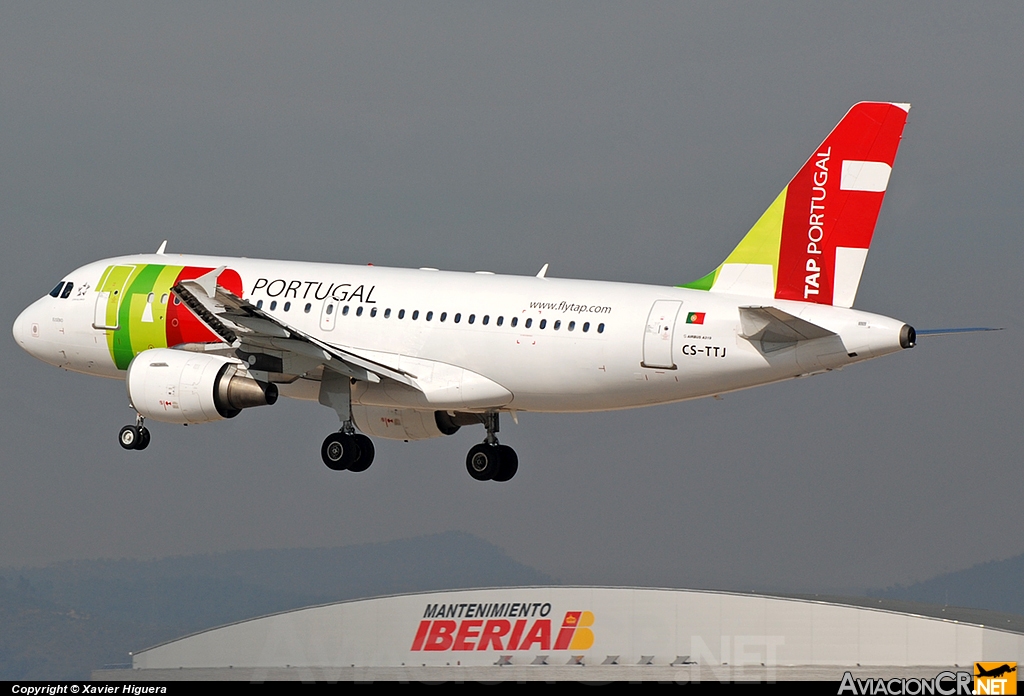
column 108, row 297
column 658, row 334
column 329, row 314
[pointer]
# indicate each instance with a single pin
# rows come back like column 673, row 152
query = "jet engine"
column 402, row 423
column 176, row 386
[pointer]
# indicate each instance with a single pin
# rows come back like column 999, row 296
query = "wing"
column 249, row 329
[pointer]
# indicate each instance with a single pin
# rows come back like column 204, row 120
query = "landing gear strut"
column 347, row 450
column 490, row 461
column 134, row 437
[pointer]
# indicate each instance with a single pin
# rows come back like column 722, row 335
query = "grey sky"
column 633, row 142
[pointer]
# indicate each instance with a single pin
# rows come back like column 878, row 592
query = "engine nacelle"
column 176, row 386
column 401, row 423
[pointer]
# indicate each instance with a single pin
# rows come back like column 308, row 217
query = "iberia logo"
column 504, row 634
column 995, row 677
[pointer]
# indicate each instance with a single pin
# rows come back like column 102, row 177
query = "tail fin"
column 811, row 243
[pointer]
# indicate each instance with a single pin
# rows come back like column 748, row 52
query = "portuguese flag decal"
column 695, row 318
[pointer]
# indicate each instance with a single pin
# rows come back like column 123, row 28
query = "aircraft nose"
column 25, row 328
column 19, row 329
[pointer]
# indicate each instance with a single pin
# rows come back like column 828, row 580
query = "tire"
column 338, row 451
column 483, row 461
column 365, row 451
column 509, row 464
column 144, row 438
column 129, row 437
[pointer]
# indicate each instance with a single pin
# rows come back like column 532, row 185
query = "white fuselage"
column 548, row 344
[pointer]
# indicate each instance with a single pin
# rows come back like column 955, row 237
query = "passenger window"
column 458, row 316
column 330, row 309
column 359, row 311
column 287, row 306
column 163, row 298
column 387, row 313
column 308, row 307
column 401, row 314
column 373, row 311
column 572, row 325
column 529, row 323
column 67, row 291
column 444, row 315
column 543, row 323
column 259, row 303
column 586, row 326
column 600, row 328
column 415, row 314
column 430, row 315
column 56, row 291
column 177, row 300
column 273, row 305
column 150, row 298
column 515, row 320
column 487, row 318
column 558, row 325
column 501, row 320
column 472, row 318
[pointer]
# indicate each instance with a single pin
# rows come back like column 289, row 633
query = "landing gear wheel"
column 339, row 451
column 129, row 437
column 364, row 453
column 143, row 442
column 509, row 463
column 483, row 461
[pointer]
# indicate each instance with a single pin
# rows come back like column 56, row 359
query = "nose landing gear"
column 134, row 437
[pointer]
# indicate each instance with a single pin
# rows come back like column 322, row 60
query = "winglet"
column 162, row 247
column 543, row 272
column 208, row 281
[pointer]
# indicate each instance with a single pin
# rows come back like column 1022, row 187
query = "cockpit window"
column 56, row 291
column 67, row 291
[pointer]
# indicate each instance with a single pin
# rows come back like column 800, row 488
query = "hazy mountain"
column 996, row 585
column 66, row 619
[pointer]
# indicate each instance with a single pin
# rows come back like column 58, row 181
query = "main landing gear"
column 347, row 450
column 134, row 437
column 490, row 461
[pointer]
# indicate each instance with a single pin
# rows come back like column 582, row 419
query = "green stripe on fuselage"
column 149, row 318
column 134, row 335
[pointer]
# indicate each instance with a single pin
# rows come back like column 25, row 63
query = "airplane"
column 996, row 672
column 410, row 354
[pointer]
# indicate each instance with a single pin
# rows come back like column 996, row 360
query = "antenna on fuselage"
column 543, row 272
column 162, row 247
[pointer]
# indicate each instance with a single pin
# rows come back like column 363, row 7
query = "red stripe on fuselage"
column 182, row 325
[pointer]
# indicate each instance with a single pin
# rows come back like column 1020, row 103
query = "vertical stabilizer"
column 812, row 242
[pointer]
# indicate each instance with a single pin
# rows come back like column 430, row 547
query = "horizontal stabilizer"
column 774, row 329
